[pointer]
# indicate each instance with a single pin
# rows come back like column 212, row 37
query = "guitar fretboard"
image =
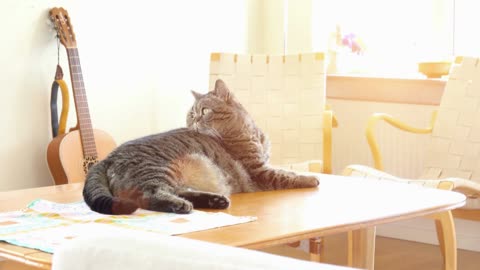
column 81, row 105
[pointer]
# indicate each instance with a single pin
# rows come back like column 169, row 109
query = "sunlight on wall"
column 139, row 60
column 182, row 64
column 157, row 53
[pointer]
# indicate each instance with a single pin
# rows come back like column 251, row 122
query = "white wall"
column 139, row 60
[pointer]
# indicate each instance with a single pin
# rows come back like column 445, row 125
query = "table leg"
column 446, row 238
column 361, row 248
column 316, row 249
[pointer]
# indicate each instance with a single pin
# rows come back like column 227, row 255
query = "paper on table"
column 45, row 225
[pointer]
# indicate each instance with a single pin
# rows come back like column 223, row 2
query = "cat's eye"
column 206, row 111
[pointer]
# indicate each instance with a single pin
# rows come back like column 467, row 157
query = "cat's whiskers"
column 210, row 132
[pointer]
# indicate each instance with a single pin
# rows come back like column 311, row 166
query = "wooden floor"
column 391, row 254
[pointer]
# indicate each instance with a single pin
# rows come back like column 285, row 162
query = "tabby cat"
column 220, row 152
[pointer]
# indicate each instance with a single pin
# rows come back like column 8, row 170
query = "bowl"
column 434, row 69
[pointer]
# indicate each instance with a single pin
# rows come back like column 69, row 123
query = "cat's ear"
column 221, row 90
column 196, row 95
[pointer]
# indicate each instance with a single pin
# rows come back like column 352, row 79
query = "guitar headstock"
column 61, row 21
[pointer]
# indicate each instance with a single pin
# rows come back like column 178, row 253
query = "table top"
column 339, row 204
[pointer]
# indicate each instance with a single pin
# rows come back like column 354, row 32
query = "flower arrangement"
column 346, row 53
column 354, row 43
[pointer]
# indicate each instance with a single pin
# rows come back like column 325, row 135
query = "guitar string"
column 58, row 49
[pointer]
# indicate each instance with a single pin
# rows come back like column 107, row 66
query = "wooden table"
column 340, row 204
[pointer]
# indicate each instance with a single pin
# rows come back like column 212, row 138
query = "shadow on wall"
column 29, row 72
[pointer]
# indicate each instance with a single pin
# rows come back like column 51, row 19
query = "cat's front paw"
column 308, row 181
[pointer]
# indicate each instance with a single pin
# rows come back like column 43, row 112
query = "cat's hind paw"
column 201, row 199
column 123, row 206
column 218, row 202
column 182, row 207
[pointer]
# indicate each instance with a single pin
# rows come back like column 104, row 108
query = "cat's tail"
column 99, row 198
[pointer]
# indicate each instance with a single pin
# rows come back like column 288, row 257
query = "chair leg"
column 317, row 251
column 447, row 239
column 361, row 248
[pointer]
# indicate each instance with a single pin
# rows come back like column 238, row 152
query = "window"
column 395, row 35
column 465, row 22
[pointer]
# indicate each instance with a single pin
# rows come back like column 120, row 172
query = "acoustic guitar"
column 69, row 156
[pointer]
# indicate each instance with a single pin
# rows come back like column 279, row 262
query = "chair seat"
column 470, row 188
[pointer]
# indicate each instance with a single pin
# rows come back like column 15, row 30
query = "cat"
column 220, row 152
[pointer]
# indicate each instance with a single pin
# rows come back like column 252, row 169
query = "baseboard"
column 423, row 230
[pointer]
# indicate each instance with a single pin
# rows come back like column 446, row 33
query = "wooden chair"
column 285, row 94
column 453, row 153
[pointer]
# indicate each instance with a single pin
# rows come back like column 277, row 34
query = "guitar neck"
column 81, row 105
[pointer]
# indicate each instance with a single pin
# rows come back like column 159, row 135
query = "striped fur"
column 220, row 152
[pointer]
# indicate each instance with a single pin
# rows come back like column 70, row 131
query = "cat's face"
column 217, row 113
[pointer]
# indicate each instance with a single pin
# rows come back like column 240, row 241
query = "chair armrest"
column 329, row 122
column 470, row 188
column 372, row 121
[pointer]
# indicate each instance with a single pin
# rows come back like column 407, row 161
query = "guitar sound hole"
column 88, row 162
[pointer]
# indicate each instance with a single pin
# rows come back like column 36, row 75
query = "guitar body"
column 65, row 156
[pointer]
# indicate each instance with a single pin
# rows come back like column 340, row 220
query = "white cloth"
column 149, row 252
column 469, row 188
